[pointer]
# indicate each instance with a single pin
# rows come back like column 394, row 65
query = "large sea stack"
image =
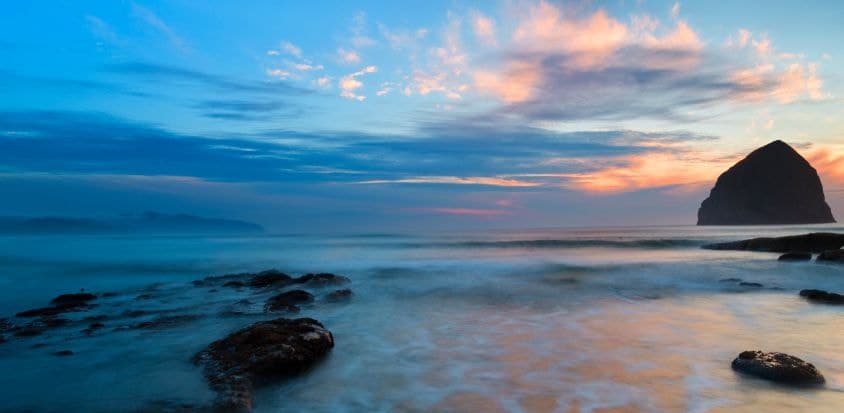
column 773, row 185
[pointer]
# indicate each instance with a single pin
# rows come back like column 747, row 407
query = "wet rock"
column 339, row 295
column 61, row 304
column 795, row 256
column 2, row 339
column 270, row 278
column 773, row 185
column 235, row 284
column 39, row 326
column 261, row 352
column 729, row 280
column 169, row 406
column 78, row 299
column 836, row 256
column 778, row 367
column 814, row 242
column 146, row 296
column 63, row 353
column 288, row 301
column 5, row 325
column 321, row 279
column 92, row 328
column 823, row 297
column 750, row 284
column 169, row 321
column 134, row 313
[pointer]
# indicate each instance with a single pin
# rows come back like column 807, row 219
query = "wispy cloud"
column 153, row 20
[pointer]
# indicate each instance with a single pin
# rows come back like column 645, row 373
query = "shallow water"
column 552, row 320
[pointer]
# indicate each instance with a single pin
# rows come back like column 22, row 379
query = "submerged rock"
column 751, row 284
column 821, row 296
column 339, row 295
column 263, row 351
column 270, row 278
column 61, row 304
column 773, row 185
column 169, row 321
column 63, row 353
column 832, row 256
column 77, row 299
column 321, row 279
column 814, row 242
column 778, row 367
column 288, row 301
column 795, row 256
column 2, row 339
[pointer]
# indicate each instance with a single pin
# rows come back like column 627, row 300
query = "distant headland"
column 145, row 223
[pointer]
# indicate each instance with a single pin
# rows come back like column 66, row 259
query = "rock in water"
column 778, row 367
column 261, row 352
column 773, row 185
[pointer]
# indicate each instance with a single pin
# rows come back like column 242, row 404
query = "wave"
column 571, row 243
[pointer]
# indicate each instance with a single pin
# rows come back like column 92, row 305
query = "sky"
column 396, row 116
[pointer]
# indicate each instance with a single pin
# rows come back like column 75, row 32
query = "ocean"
column 541, row 320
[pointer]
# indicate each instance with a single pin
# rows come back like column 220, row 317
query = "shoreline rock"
column 816, row 242
column 778, row 367
column 823, row 297
column 258, row 353
column 836, row 256
column 288, row 301
column 795, row 256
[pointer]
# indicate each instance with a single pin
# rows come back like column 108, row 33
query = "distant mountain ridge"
column 146, row 223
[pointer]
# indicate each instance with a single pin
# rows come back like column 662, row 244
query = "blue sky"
column 375, row 116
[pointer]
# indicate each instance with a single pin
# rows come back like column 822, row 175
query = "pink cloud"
column 465, row 211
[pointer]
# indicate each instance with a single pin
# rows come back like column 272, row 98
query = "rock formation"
column 773, row 185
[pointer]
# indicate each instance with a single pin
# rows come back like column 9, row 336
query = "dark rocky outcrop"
column 778, row 367
column 168, row 321
column 832, row 256
column 61, row 304
column 339, row 295
column 261, row 352
column 288, row 301
column 814, row 242
column 77, row 299
column 795, row 256
column 321, row 279
column 270, row 278
column 823, row 297
column 773, row 185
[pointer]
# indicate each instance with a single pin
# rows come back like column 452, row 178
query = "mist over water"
column 546, row 320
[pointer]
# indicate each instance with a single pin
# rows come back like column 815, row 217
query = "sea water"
column 546, row 320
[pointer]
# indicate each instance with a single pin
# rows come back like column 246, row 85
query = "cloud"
column 150, row 18
column 455, row 180
column 291, row 49
column 675, row 10
column 402, row 38
column 484, row 28
column 104, row 31
column 349, row 84
column 348, row 56
column 175, row 74
column 359, row 37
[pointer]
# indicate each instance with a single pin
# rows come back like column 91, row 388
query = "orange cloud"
column 454, row 180
column 650, row 170
column 590, row 41
column 829, row 162
column 513, row 85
